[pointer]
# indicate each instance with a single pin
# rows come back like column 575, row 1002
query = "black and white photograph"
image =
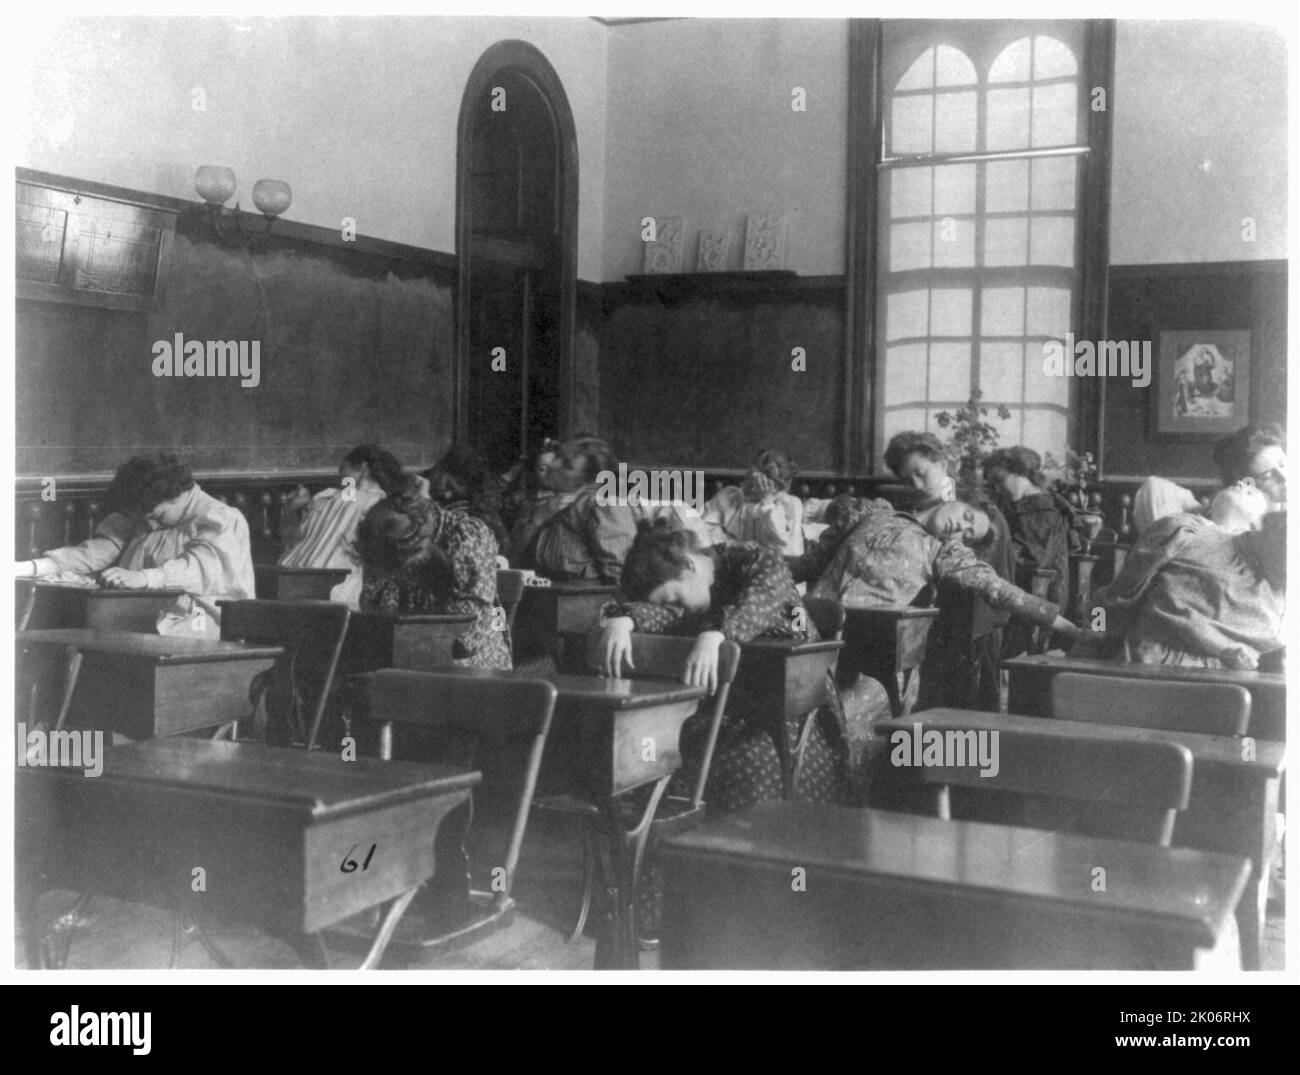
column 630, row 498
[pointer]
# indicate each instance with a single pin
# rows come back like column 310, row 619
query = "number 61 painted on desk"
column 349, row 864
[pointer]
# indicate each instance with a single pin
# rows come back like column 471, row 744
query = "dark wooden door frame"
column 527, row 60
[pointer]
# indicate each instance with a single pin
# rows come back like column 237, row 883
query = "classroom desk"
column 1030, row 686
column 888, row 644
column 1234, row 798
column 50, row 605
column 809, row 886
column 418, row 642
column 609, row 738
column 546, row 612
column 275, row 583
column 271, row 828
column 150, row 685
column 783, row 680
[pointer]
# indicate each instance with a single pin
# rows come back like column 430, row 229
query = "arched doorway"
column 516, row 246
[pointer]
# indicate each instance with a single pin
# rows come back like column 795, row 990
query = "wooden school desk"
column 274, row 830
column 145, row 685
column 1030, row 687
column 417, row 642
column 1234, row 798
column 808, row 886
column 50, row 605
column 888, row 644
column 781, row 683
column 546, row 612
column 276, row 583
column 609, row 738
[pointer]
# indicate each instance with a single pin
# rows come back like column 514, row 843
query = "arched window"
column 983, row 135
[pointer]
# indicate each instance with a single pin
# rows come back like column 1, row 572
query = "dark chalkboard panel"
column 702, row 377
column 348, row 353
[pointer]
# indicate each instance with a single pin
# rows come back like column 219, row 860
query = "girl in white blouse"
column 166, row 533
column 760, row 509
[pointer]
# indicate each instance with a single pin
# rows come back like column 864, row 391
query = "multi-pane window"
column 981, row 176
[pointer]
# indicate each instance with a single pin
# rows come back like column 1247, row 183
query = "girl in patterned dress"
column 419, row 557
column 671, row 585
column 462, row 481
column 965, row 645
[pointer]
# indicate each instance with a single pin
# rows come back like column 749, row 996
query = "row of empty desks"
column 284, row 839
column 1234, row 796
column 802, row 886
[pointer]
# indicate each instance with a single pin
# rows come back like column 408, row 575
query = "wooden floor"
column 118, row 935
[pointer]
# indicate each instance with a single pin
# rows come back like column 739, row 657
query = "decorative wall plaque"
column 664, row 254
column 764, row 243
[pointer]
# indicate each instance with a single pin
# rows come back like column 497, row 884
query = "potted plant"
column 971, row 439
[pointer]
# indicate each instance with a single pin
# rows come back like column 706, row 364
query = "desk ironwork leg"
column 616, row 949
column 69, row 687
column 388, row 924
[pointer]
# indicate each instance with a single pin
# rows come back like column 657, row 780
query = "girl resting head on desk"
column 165, row 533
column 671, row 584
column 420, row 558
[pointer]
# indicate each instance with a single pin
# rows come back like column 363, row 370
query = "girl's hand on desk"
column 119, row 578
column 616, row 647
column 702, row 664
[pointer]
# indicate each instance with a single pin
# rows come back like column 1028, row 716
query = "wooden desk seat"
column 298, row 691
column 478, row 720
column 1030, row 686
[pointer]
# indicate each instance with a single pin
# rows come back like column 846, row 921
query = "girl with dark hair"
column 965, row 645
column 418, row 557
column 1258, row 453
column 1254, row 452
column 166, row 532
column 672, row 585
column 324, row 536
column 761, row 509
column 1039, row 523
column 462, row 481
column 574, row 536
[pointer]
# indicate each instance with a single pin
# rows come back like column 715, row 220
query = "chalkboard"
column 345, row 357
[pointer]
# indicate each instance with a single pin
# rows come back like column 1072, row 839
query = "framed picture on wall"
column 1202, row 383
